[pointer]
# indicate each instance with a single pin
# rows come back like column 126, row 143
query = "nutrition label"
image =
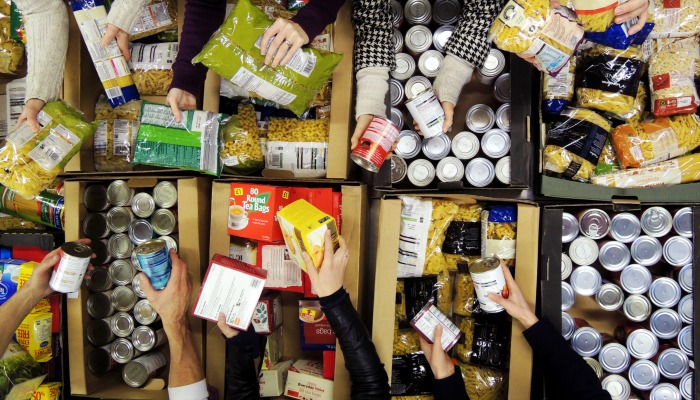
column 428, row 319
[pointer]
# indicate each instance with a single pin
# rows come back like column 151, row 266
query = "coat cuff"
column 372, row 88
column 125, row 13
column 454, row 74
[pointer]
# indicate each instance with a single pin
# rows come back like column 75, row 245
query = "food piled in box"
column 114, row 139
column 305, row 381
column 12, row 50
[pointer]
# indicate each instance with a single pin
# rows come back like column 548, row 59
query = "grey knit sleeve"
column 124, row 13
column 469, row 41
column 371, row 20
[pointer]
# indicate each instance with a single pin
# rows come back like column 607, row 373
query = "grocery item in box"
column 10, row 278
column 304, row 227
column 428, row 319
column 501, row 234
column 671, row 77
column 157, row 17
column 282, row 273
column 12, row 51
column 672, row 172
column 115, row 136
column 304, row 159
column 46, row 208
column 617, row 35
column 411, row 375
column 305, row 381
column 272, row 381
column 34, row 335
column 596, row 16
column 230, row 287
column 20, row 374
column 14, row 102
column 25, row 272
column 274, row 349
column 252, row 211
column 316, row 331
column 329, row 364
column 419, row 292
column 241, row 153
column 47, row 391
column 245, row 250
column 678, row 18
column 558, row 91
column 268, row 313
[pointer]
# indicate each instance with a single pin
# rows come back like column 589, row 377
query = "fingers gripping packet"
column 152, row 66
column 29, row 161
column 502, row 233
column 558, row 91
column 428, row 319
column 193, row 144
column 115, row 135
column 672, row 172
column 671, row 78
column 596, row 15
column 234, row 53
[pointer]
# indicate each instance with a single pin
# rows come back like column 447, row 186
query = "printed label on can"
column 492, row 281
column 376, row 141
column 428, row 113
column 68, row 273
column 155, row 264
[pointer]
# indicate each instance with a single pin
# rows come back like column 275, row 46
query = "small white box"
column 305, row 381
column 272, row 381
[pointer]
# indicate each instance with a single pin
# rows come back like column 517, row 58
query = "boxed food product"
column 329, row 364
column 305, row 381
column 34, row 335
column 428, row 319
column 273, row 380
column 253, row 208
column 282, row 273
column 20, row 374
column 274, row 349
column 268, row 313
column 304, row 227
column 316, row 331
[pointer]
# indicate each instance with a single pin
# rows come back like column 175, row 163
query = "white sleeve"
column 195, row 391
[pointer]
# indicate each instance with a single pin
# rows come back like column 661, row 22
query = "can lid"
column 495, row 143
column 685, row 309
column 569, row 229
column 143, row 205
column 480, row 118
column 686, row 386
column 673, row 363
column 568, row 297
column 121, row 271
column 642, row 344
column 119, row 193
column 143, row 338
column 683, row 222
column 625, row 227
column 446, row 11
column 99, row 280
column 437, row 147
column 685, row 340
column 450, row 169
column 685, row 278
column 396, row 12
column 614, row 256
column 595, row 366
column 421, row 172
column 494, row 63
column 398, row 169
column 484, row 264
column 122, row 323
column 405, row 67
column 587, row 342
column 95, row 226
column 635, row 279
column 665, row 391
column 417, row 85
column 409, row 144
column 664, row 292
column 163, row 221
column 586, row 280
column 644, row 375
column 678, row 251
column 397, row 117
column 646, row 250
column 397, row 39
column 614, row 358
column 637, row 308
column 144, row 312
column 657, row 221
column 594, row 223
column 610, row 297
column 501, row 88
column 119, row 218
column 617, row 386
column 418, row 10
column 120, row 245
column 566, row 266
column 583, row 251
column 123, row 298
column 134, row 374
column 418, row 38
column 480, row 172
column 99, row 361
column 430, row 63
column 77, row 249
column 567, row 325
column 122, row 350
column 95, row 198
column 665, row 323
column 441, row 36
column 503, row 169
column 396, row 91
column 465, row 145
column 165, row 194
column 503, row 117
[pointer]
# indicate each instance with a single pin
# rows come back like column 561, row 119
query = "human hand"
column 179, row 99
column 172, row 302
column 632, row 9
column 38, row 283
column 554, row 3
column 122, row 37
column 328, row 279
column 440, row 362
column 532, row 60
column 225, row 329
column 449, row 109
column 29, row 113
column 515, row 304
column 281, row 40
column 363, row 122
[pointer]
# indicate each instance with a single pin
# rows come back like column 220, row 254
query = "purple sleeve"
column 315, row 16
column 202, row 19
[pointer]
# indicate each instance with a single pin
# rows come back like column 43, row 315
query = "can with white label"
column 594, row 223
column 569, row 228
column 123, row 298
column 144, row 313
column 405, row 67
column 487, row 275
column 399, row 169
column 155, row 262
column 665, row 292
column 375, row 144
column 501, row 88
column 397, row 41
column 164, row 221
column 480, row 172
column 646, row 250
column 568, row 296
column 625, row 227
column 614, row 358
column 121, row 272
column 409, row 145
column 583, row 251
column 656, row 222
column 493, row 66
column 613, row 256
column 146, row 338
column 635, row 279
column 417, row 85
column 440, row 37
column 95, row 226
column 119, row 194
column 586, row 280
column 396, row 117
column 637, row 308
column 503, row 170
column 495, row 143
column 683, row 222
column 421, row 173
column 139, row 371
column 418, row 40
column 503, row 117
column 618, row 387
column 417, row 12
column 566, row 266
column 644, row 375
column 427, row 113
column 665, row 323
column 119, row 219
column 642, row 344
column 437, row 147
column 143, row 205
column 69, row 272
column 430, row 63
column 480, row 118
column 396, row 92
column 123, row 351
column 610, row 297
column 450, row 169
column 120, row 246
column 678, row 251
column 165, row 194
column 587, row 342
column 465, row 145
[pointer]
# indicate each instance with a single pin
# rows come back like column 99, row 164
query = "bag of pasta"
column 300, row 146
column 617, row 35
column 152, row 67
column 462, row 242
column 400, row 308
column 672, row 172
column 30, row 161
column 678, row 18
column 558, row 91
column 596, row 16
column 465, row 298
column 671, row 74
column 574, row 144
column 241, row 153
column 234, row 53
column 157, row 17
column 11, row 51
column 648, row 143
column 115, row 135
column 637, row 111
column 502, row 233
column 608, row 161
column 532, row 28
column 444, row 285
column 484, row 383
column 463, row 348
column 406, row 341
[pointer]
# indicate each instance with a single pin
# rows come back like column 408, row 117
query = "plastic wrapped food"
column 411, row 375
column 678, row 18
column 152, row 67
column 445, row 285
column 533, row 28
column 491, row 342
column 575, row 143
column 45, row 208
column 10, row 223
column 596, row 16
column 502, row 233
column 234, row 53
column 558, row 91
column 241, row 153
column 462, row 242
column 442, row 215
column 294, row 5
column 608, row 161
column 11, row 50
column 157, row 17
column 463, row 348
column 115, row 135
column 652, row 142
column 484, row 383
column 193, row 144
column 637, row 111
column 672, row 172
column 617, row 36
column 465, row 298
column 671, row 74
column 19, row 33
column 400, row 302
column 406, row 341
column 20, row 374
column 419, row 292
column 296, row 130
column 29, row 162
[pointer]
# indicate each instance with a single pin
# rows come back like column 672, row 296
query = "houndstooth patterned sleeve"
column 469, row 40
column 374, row 32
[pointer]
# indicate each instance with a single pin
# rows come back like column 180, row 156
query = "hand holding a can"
column 440, row 362
column 329, row 278
column 172, row 302
column 515, row 303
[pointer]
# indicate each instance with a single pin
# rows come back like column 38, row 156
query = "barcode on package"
column 153, row 17
column 100, row 141
column 252, row 83
column 54, row 148
column 122, row 141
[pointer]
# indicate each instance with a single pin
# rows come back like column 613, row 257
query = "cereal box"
column 304, row 227
column 268, row 313
column 252, row 211
column 272, row 381
column 34, row 334
column 274, row 349
column 305, row 381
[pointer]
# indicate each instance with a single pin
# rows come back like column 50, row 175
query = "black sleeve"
column 243, row 356
column 566, row 374
column 450, row 388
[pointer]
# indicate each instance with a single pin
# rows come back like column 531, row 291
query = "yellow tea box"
column 304, row 227
column 47, row 391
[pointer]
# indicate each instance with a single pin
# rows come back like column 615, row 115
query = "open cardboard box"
column 586, row 307
column 354, row 217
column 520, row 375
column 193, row 221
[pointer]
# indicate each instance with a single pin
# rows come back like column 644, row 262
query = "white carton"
column 272, row 381
column 305, row 381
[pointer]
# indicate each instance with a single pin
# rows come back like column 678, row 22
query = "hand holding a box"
column 225, row 329
column 515, row 304
column 440, row 362
column 328, row 279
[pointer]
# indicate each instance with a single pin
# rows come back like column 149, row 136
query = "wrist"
column 176, row 328
column 444, row 373
column 528, row 320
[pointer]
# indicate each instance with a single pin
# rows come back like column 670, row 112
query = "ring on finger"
column 287, row 43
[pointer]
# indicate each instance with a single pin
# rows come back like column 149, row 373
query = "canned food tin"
column 493, row 66
column 583, row 251
column 614, row 358
column 399, row 168
column 567, row 325
column 123, row 298
column 586, row 280
column 465, row 145
column 143, row 205
column 480, row 118
column 145, row 338
column 656, row 221
column 480, row 172
column 428, row 114
column 594, row 223
column 495, row 143
column 678, row 251
column 417, row 85
column 164, row 221
column 119, row 219
column 405, row 67
column 664, row 292
column 409, row 145
column 566, row 266
column 686, row 386
column 685, row 340
column 99, row 280
column 95, row 198
column 418, row 40
column 421, row 173
column 610, row 297
column 397, row 117
column 569, row 228
column 121, row 272
column 396, row 92
column 417, row 12
column 685, row 278
column 119, row 194
column 683, row 222
column 99, row 360
column 441, row 35
column 642, row 344
column 99, row 332
column 123, row 351
column 685, row 309
column 95, row 226
column 69, row 272
column 397, row 40
column 170, row 241
column 136, row 286
column 121, row 323
column 673, row 363
column 635, row 279
column 625, row 227
column 587, row 342
column 503, row 169
column 487, row 275
column 665, row 323
column 665, row 391
column 99, row 305
column 637, row 308
column 135, row 262
column 437, row 147
column 568, row 296
column 450, row 169
column 374, row 145
column 644, row 375
column 646, row 250
column 137, row 372
column 446, row 12
column 165, row 194
column 396, row 13
column 617, row 386
column 155, row 262
column 120, row 246
column 614, row 256
column 144, row 313
column 501, row 88
column 140, row 231
column 430, row 63
column 503, row 117
column 595, row 366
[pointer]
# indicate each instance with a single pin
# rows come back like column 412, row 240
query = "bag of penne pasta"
column 678, row 18
column 152, row 67
column 672, row 71
column 157, row 17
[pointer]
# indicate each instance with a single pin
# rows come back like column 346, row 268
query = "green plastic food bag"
column 241, row 153
column 234, row 53
column 20, row 375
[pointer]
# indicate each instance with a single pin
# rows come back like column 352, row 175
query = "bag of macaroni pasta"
column 234, row 53
column 11, row 50
column 596, row 16
column 574, row 144
column 465, row 298
column 115, row 136
column 192, row 144
column 29, row 161
column 502, row 233
column 484, row 383
column 241, row 153
column 157, row 17
column 558, row 91
column 533, row 28
column 463, row 348
column 444, row 286
column 300, row 146
column 652, row 142
column 608, row 161
column 671, row 77
column 672, row 172
column 462, row 242
column 677, row 18
column 152, row 67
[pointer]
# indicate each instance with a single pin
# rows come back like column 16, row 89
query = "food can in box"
column 503, row 117
column 375, row 144
column 503, row 170
column 625, row 227
column 614, row 358
column 450, row 169
column 437, row 147
column 637, row 308
column 100, row 361
column 683, row 222
column 99, row 332
column 396, row 13
column 136, row 286
column 119, row 219
column 417, row 85
column 595, row 366
column 99, row 281
column 397, row 40
column 618, row 387
column 417, row 12
column 465, row 145
column 684, row 341
column 685, row 309
column 409, row 145
column 119, row 194
column 68, row 274
column 121, row 323
column 135, row 262
column 567, row 325
column 586, row 280
column 610, row 297
column 418, row 40
column 494, row 64
column 440, row 37
column 569, row 228
column 121, row 272
column 143, row 205
column 123, row 298
column 665, row 323
column 446, row 12
column 678, row 251
column 487, row 275
column 566, row 266
column 646, row 250
column 495, row 143
column 95, row 226
column 123, row 351
column 120, row 246
column 139, row 371
column 480, row 118
column 642, row 344
column 96, row 198
column 686, row 386
column 587, row 342
column 568, row 296
column 685, row 278
column 140, row 231
column 144, row 313
column 405, row 67
column 656, row 222
column 398, row 169
column 594, row 223
column 155, row 262
column 164, row 222
column 99, row 248
column 145, row 338
column 480, row 172
column 644, row 375
column 421, row 173
column 165, row 194
column 99, row 305
column 427, row 113
column 170, row 241
column 501, row 88
column 665, row 391
column 613, row 256
column 665, row 292
column 583, row 251
column 396, row 117
column 430, row 63
column 673, row 363
column 396, row 92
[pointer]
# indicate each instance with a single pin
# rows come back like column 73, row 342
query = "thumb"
column 449, row 109
column 110, row 34
column 176, row 110
column 437, row 342
column 146, row 286
column 505, row 303
column 223, row 326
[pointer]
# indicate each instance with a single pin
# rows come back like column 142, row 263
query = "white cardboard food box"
column 272, row 381
column 305, row 381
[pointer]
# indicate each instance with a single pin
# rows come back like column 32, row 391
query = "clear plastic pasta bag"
column 484, row 383
column 672, row 172
column 11, row 50
column 678, row 18
column 558, row 91
column 671, row 77
column 463, row 348
column 400, row 308
column 502, row 233
column 241, row 153
column 406, row 341
column 596, row 16
column 157, row 17
column 445, row 288
column 114, row 139
column 608, row 161
column 465, row 302
column 462, row 242
column 152, row 67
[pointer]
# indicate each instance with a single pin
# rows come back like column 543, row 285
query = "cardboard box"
column 272, row 381
column 268, row 313
column 252, row 212
column 316, row 331
column 520, row 375
column 193, row 217
column 305, row 381
column 282, row 273
column 274, row 348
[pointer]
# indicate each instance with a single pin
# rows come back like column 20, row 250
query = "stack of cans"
column 477, row 156
column 124, row 327
column 638, row 265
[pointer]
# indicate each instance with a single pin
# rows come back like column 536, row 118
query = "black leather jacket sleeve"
column 243, row 356
column 367, row 375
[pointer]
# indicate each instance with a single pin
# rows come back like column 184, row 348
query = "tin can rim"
column 652, row 373
column 638, row 353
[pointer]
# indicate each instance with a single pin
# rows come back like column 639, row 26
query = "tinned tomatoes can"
column 69, row 272
column 155, row 262
column 375, row 144
column 488, row 277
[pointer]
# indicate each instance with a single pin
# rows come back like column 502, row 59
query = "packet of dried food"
column 411, row 375
column 20, row 374
column 419, row 292
column 241, row 153
column 406, row 341
column 678, row 18
column 445, row 288
column 463, row 348
column 671, row 76
column 491, row 341
column 30, row 161
column 608, row 161
column 617, row 35
column 234, row 53
column 574, row 144
column 46, row 208
column 502, row 233
column 596, row 16
column 462, row 242
column 193, row 144
column 115, row 136
column 152, row 67
column 465, row 302
column 11, row 50
column 400, row 309
column 558, row 91
column 484, row 383
column 157, row 17
column 672, row 172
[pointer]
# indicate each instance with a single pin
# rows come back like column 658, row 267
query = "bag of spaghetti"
column 532, row 28
column 157, row 17
column 241, row 153
column 574, row 144
column 30, row 161
column 115, row 135
column 558, row 91
column 648, row 143
column 678, row 18
column 684, row 169
column 152, row 67
column 671, row 77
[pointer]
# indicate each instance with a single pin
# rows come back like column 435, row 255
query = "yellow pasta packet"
column 595, row 15
column 672, row 172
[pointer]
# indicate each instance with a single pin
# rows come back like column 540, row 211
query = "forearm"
column 450, row 388
column 372, row 88
column 469, row 41
column 13, row 312
column 125, row 13
column 315, row 16
column 183, row 355
column 371, row 20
